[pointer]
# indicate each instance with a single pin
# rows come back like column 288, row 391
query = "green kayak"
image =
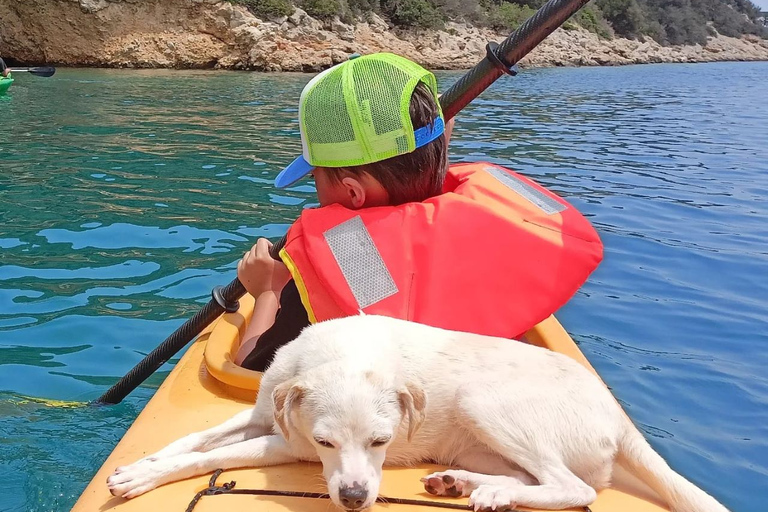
column 5, row 83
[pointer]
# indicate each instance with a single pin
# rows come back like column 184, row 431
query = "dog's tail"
column 637, row 456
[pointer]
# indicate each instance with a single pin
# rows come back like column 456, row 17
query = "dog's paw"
column 493, row 498
column 150, row 458
column 452, row 482
column 137, row 478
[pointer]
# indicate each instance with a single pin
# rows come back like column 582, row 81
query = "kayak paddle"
column 44, row 71
column 499, row 60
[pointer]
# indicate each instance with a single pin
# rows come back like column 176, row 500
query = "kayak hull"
column 5, row 83
column 206, row 388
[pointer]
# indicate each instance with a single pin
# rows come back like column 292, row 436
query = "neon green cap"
column 357, row 112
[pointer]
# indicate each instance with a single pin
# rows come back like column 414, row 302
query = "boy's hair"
column 414, row 176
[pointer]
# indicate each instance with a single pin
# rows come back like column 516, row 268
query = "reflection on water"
column 128, row 195
column 44, row 438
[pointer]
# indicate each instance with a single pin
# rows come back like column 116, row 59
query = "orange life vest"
column 494, row 254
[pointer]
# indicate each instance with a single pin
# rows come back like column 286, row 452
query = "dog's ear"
column 285, row 397
column 413, row 402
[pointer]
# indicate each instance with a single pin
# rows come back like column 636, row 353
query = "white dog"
column 528, row 426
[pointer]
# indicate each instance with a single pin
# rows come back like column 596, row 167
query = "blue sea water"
column 128, row 195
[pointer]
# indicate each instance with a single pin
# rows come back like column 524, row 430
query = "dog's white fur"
column 528, row 426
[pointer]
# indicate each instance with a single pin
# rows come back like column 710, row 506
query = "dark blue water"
column 127, row 195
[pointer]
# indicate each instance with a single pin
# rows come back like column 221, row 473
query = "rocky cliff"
column 215, row 34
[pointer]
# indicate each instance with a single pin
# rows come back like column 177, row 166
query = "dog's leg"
column 136, row 479
column 480, row 467
column 507, row 434
column 458, row 482
column 240, row 427
column 559, row 489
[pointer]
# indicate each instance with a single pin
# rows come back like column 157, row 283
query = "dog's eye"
column 380, row 442
column 324, row 443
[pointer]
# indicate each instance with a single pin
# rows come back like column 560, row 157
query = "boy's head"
column 372, row 133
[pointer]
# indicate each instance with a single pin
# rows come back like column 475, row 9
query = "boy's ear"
column 365, row 191
column 355, row 190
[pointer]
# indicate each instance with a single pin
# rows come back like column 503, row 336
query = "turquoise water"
column 128, row 195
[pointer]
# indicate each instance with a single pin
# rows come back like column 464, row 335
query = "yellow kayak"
column 206, row 388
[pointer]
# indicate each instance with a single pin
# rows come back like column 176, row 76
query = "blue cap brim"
column 293, row 173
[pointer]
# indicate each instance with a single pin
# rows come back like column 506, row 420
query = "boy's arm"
column 291, row 319
column 264, row 278
column 264, row 312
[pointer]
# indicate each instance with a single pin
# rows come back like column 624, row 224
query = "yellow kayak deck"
column 206, row 388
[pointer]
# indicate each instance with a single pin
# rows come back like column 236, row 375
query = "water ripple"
column 129, row 195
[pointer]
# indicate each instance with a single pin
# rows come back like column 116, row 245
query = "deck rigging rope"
column 229, row 488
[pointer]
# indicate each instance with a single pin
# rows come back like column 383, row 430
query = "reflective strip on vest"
column 536, row 197
column 360, row 261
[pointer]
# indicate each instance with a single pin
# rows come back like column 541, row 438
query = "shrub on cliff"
column 267, row 8
column 324, row 9
column 472, row 12
column 413, row 13
column 591, row 18
column 686, row 21
column 535, row 4
column 666, row 21
column 625, row 16
column 734, row 18
column 359, row 7
column 508, row 16
column 682, row 23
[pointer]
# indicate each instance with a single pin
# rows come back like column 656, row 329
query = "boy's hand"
column 260, row 273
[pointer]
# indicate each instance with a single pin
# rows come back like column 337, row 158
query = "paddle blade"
column 44, row 71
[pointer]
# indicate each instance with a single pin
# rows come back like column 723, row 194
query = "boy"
column 5, row 71
column 393, row 236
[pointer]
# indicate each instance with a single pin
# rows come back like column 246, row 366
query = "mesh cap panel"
column 385, row 92
column 358, row 112
column 325, row 115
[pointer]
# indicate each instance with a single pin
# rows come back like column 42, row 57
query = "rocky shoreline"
column 215, row 34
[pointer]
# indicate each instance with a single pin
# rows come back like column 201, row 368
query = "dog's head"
column 350, row 419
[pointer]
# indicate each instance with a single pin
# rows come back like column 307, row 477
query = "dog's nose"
column 353, row 497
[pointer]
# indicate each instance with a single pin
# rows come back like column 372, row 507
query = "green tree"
column 682, row 24
column 508, row 16
column 359, row 7
column 666, row 21
column 324, row 9
column 267, row 8
column 591, row 18
column 625, row 16
column 413, row 13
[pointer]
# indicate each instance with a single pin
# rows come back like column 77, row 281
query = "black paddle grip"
column 274, row 251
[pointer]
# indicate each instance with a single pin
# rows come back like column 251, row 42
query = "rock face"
column 215, row 34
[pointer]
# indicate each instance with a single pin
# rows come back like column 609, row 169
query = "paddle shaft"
column 545, row 21
column 175, row 342
column 548, row 18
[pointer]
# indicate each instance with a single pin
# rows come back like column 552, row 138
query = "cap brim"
column 293, row 173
